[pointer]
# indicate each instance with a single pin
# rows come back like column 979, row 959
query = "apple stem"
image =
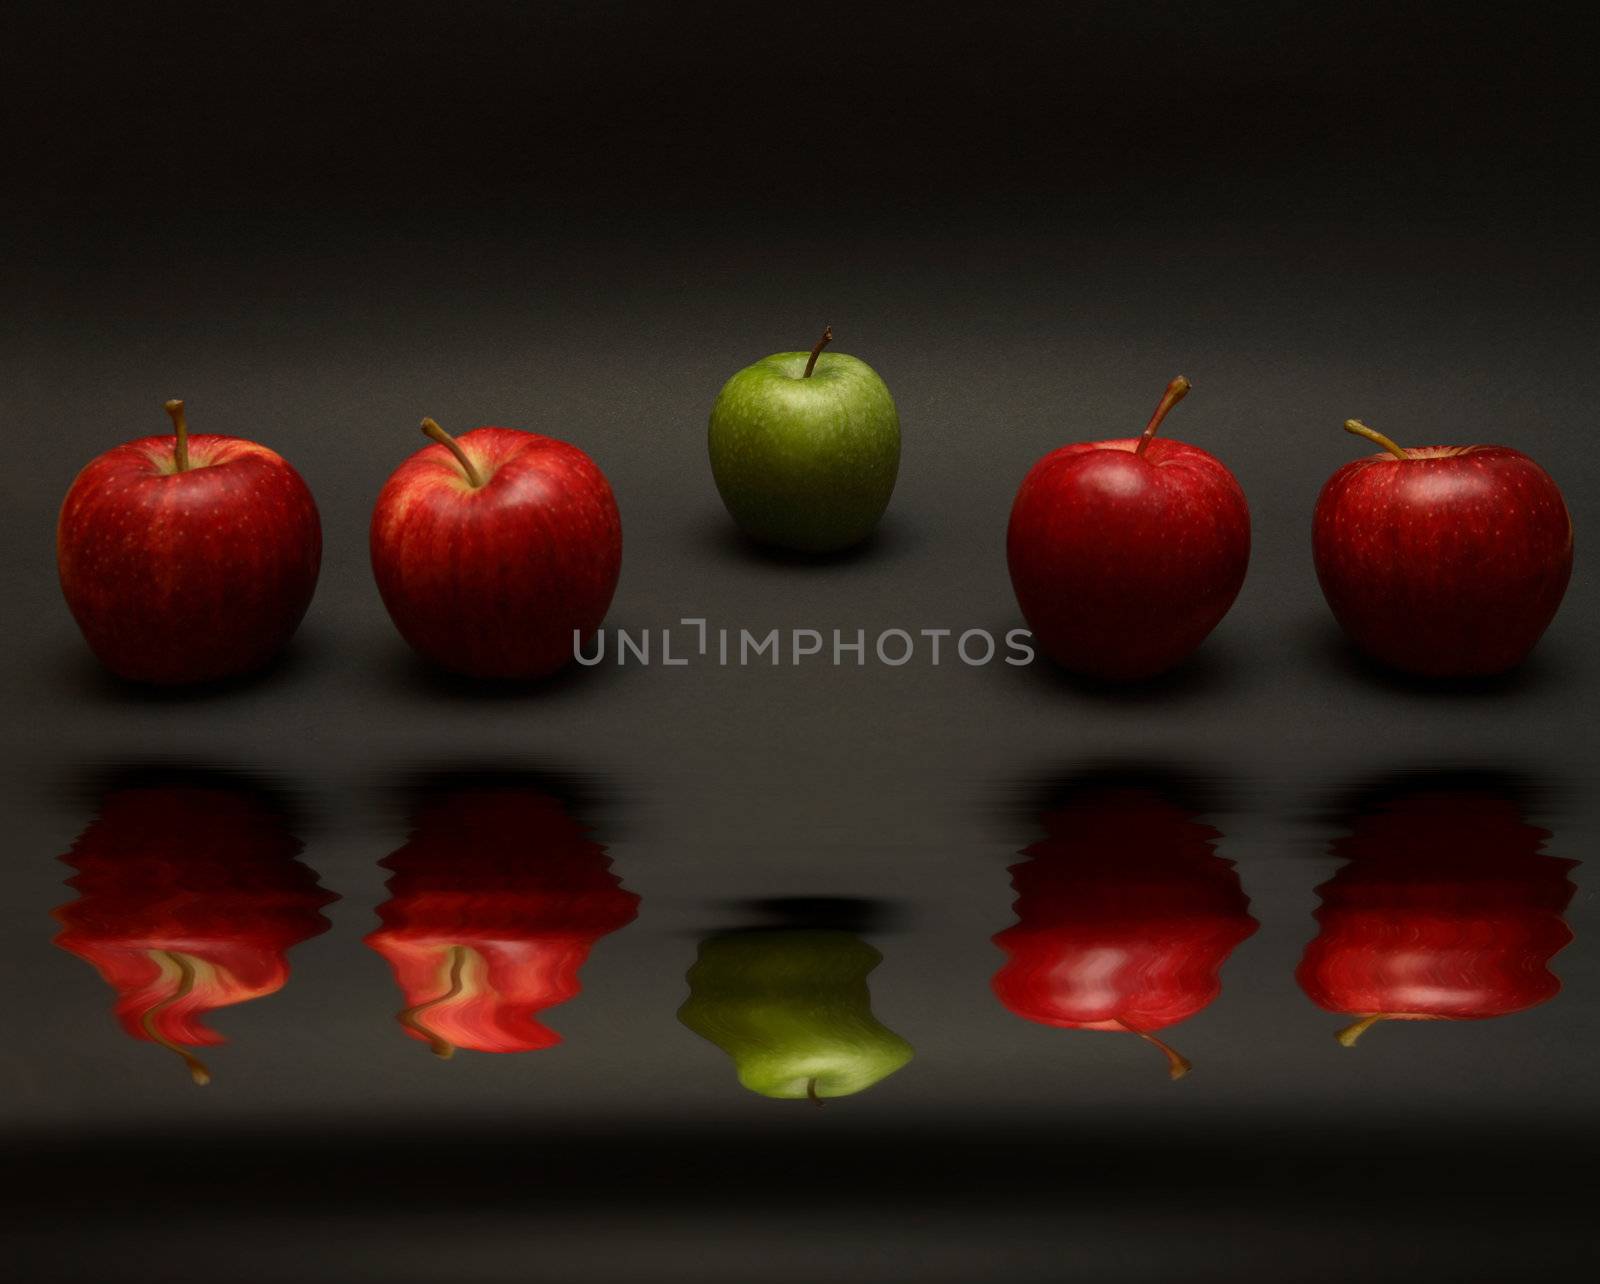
column 186, row 977
column 1177, row 1064
column 1372, row 434
column 1176, row 391
column 816, row 351
column 441, row 1048
column 811, row 1091
column 1351, row 1033
column 431, row 429
column 180, row 425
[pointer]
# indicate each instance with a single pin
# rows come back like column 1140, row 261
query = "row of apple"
column 190, row 895
column 189, row 559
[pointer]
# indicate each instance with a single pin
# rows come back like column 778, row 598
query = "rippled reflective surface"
column 189, row 897
column 495, row 901
column 1125, row 913
column 669, row 1012
column 1448, row 908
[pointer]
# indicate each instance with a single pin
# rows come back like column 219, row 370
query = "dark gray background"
column 580, row 220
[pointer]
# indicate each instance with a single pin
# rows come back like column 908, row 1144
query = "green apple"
column 791, row 1007
column 805, row 449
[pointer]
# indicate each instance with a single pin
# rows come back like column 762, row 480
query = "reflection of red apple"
column 1125, row 915
column 1447, row 910
column 189, row 897
column 496, row 899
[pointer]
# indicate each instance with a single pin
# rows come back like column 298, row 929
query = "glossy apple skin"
column 194, row 576
column 1125, row 916
column 494, row 581
column 1449, row 564
column 1123, row 564
column 206, row 870
column 1447, row 909
column 805, row 464
column 502, row 880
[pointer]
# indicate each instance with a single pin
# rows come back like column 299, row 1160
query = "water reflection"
column 1125, row 913
column 790, row 1004
column 189, row 898
column 1447, row 910
column 496, row 899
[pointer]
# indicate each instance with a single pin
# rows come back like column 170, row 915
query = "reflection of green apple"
column 805, row 449
column 792, row 1009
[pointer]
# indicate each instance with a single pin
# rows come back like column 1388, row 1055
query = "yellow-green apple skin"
column 805, row 463
column 791, row 1007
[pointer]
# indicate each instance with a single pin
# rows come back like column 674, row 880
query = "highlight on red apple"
column 1447, row 908
column 1443, row 561
column 190, row 895
column 1125, row 913
column 497, row 551
column 495, row 901
column 1126, row 553
column 188, row 558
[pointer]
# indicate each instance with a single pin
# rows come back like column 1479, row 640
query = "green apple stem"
column 811, row 1091
column 816, row 351
column 431, row 429
column 180, row 425
column 1177, row 1064
column 186, row 977
column 1351, row 1033
column 1176, row 391
column 1372, row 434
column 410, row 1017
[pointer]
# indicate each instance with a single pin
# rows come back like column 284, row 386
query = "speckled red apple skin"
column 1122, row 563
column 1451, row 563
column 493, row 582
column 188, row 577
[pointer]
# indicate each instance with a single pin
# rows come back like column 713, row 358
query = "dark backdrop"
column 319, row 224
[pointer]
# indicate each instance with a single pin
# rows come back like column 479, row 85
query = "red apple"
column 1448, row 910
column 189, row 897
column 495, row 551
column 188, row 559
column 1125, row 554
column 1444, row 561
column 1125, row 916
column 495, row 902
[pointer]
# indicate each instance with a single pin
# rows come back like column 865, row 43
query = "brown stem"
column 1372, row 434
column 186, row 978
column 811, row 1091
column 1177, row 1064
column 1176, row 391
column 432, row 429
column 408, row 1017
column 816, row 351
column 180, row 425
column 1351, row 1033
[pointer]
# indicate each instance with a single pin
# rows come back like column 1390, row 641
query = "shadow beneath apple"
column 402, row 668
column 82, row 676
column 859, row 915
column 1214, row 668
column 1023, row 800
column 577, row 791
column 1517, row 786
column 1336, row 653
column 717, row 536
column 593, row 797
